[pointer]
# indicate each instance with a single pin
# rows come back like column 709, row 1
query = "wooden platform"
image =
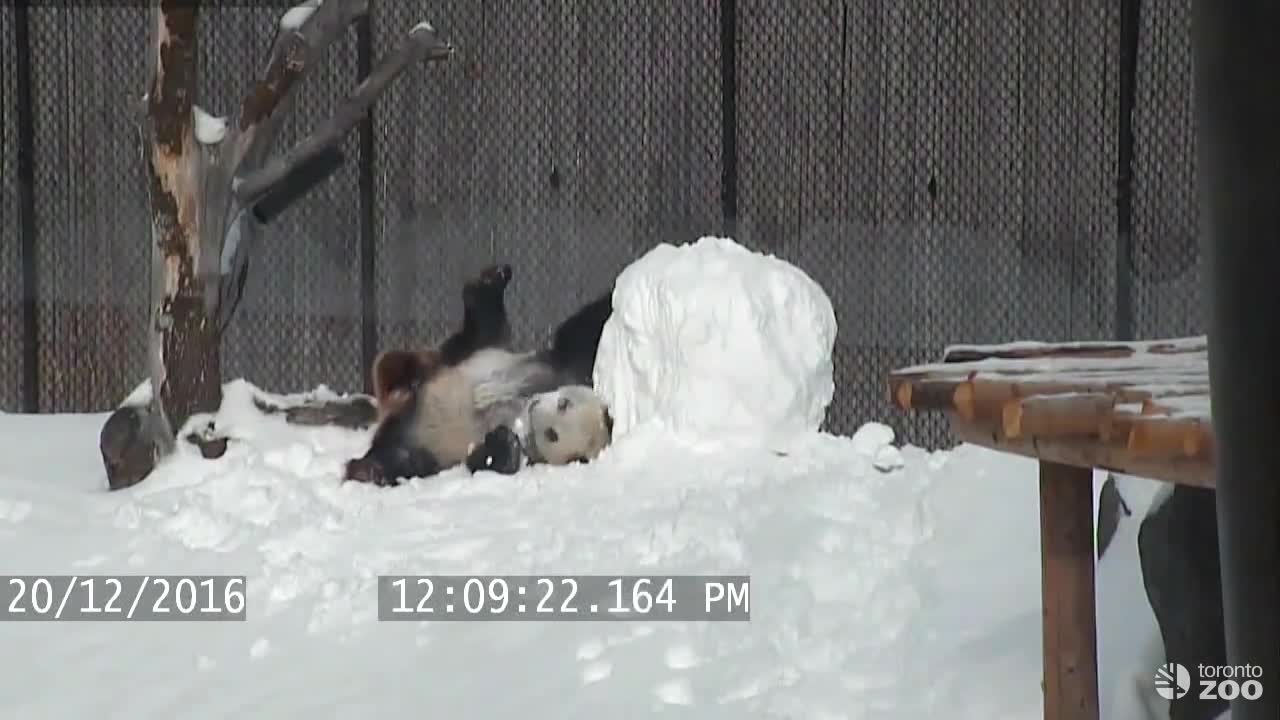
column 1137, row 408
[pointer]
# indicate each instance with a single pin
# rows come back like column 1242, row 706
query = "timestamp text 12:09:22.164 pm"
column 564, row 597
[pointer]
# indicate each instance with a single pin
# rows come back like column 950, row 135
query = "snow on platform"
column 1173, row 372
column 886, row 582
column 1139, row 407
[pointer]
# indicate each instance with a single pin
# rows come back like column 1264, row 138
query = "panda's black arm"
column 501, row 452
column 573, row 347
column 484, row 316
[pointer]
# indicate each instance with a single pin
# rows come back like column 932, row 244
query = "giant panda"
column 476, row 401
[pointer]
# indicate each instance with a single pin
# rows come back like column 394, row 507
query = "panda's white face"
column 568, row 425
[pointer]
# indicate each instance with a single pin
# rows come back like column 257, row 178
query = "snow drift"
column 884, row 594
column 717, row 343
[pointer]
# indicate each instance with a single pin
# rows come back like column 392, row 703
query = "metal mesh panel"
column 427, row 127
column 641, row 138
column 299, row 323
column 1167, row 265
column 939, row 178
column 91, row 220
column 1063, row 124
column 10, row 241
column 518, row 212
column 552, row 141
column 823, row 181
column 947, row 175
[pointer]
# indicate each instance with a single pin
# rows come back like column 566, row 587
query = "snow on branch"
column 305, row 32
column 421, row 43
column 298, row 15
column 209, row 129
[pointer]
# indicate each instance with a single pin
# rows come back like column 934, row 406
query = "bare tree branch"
column 421, row 43
column 296, row 48
column 292, row 53
column 215, row 193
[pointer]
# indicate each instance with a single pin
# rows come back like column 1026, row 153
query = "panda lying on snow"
column 473, row 400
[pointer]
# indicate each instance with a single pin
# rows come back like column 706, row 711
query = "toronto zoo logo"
column 1172, row 681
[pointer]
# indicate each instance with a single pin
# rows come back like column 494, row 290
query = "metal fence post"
column 368, row 224
column 1237, row 105
column 729, row 115
column 27, row 211
column 1130, row 24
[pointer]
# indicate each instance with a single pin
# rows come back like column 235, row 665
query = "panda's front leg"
column 500, row 451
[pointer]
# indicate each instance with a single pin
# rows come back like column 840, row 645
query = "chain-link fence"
column 90, row 219
column 1166, row 252
column 948, row 174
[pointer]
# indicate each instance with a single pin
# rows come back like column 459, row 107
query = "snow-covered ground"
column 910, row 591
column 886, row 581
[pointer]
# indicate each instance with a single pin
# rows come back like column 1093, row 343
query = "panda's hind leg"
column 484, row 316
column 577, row 338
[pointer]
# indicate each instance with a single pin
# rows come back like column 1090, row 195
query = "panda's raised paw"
column 500, row 452
column 494, row 277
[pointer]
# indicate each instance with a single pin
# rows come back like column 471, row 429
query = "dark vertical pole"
column 1237, row 105
column 27, row 210
column 368, row 226
column 1130, row 18
column 729, row 116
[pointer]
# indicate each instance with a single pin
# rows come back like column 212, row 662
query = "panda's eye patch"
column 563, row 404
column 552, row 435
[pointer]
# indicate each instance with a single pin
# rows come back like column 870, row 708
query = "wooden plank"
column 1067, row 592
column 1090, row 453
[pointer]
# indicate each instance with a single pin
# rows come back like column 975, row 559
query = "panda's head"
column 571, row 424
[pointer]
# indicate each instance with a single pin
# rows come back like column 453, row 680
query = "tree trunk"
column 211, row 185
column 182, row 346
column 183, row 343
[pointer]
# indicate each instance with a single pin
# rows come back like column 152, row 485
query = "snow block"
column 715, row 342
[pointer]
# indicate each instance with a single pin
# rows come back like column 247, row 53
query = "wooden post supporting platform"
column 1067, row 592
